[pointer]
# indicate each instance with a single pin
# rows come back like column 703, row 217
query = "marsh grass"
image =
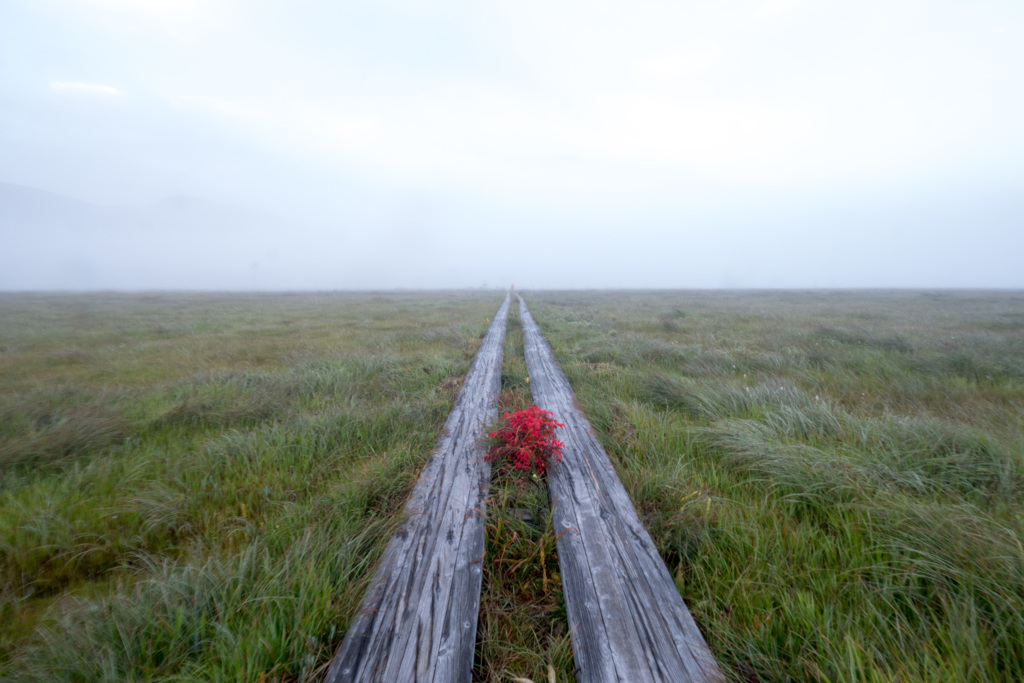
column 522, row 629
column 197, row 487
column 835, row 479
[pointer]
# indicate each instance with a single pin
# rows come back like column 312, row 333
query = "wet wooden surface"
column 418, row 619
column 627, row 619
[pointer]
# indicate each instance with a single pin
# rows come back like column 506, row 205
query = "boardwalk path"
column 627, row 619
column 418, row 619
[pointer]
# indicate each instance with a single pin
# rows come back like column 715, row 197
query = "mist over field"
column 377, row 145
column 266, row 409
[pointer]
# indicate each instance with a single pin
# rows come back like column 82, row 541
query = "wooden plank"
column 418, row 619
column 627, row 619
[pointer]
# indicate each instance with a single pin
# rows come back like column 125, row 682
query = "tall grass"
column 835, row 478
column 197, row 487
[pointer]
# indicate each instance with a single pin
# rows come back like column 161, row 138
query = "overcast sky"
column 760, row 143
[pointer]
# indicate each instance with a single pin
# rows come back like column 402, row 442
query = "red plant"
column 527, row 438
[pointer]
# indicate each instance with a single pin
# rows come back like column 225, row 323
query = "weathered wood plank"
column 627, row 619
column 418, row 619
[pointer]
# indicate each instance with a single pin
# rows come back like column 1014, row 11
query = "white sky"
column 554, row 144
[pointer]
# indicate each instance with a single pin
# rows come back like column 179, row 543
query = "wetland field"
column 198, row 486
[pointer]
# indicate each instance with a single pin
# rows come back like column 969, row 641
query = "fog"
column 259, row 145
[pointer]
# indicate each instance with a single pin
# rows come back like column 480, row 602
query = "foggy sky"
column 258, row 144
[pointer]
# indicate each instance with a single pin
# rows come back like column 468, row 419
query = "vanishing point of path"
column 418, row 619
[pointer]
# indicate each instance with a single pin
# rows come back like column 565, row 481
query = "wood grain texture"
column 418, row 619
column 627, row 619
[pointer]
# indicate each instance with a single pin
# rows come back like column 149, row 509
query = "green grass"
column 835, row 479
column 196, row 487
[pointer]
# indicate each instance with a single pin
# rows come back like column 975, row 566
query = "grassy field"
column 195, row 487
column 835, row 479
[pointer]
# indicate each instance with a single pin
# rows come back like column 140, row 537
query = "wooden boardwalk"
column 418, row 619
column 627, row 619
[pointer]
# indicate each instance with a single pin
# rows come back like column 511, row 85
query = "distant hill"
column 34, row 209
column 21, row 205
column 50, row 241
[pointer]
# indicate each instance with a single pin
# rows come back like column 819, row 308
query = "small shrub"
column 527, row 439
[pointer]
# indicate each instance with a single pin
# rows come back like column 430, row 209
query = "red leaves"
column 527, row 438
